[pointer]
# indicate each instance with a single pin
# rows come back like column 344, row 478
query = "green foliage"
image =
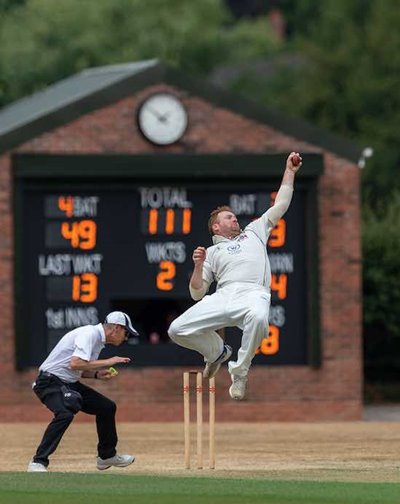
column 47, row 40
column 351, row 85
column 6, row 5
column 347, row 80
column 381, row 251
column 301, row 15
column 381, row 246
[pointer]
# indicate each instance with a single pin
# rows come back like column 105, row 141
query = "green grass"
column 67, row 488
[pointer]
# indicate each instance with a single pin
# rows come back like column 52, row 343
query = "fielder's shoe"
column 36, row 467
column 117, row 461
column 212, row 368
column 238, row 388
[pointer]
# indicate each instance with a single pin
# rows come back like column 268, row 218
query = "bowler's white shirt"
column 244, row 258
column 84, row 342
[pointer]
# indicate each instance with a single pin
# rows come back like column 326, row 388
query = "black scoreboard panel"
column 88, row 247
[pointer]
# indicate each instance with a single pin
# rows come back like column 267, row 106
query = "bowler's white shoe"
column 212, row 368
column 116, row 461
column 36, row 467
column 238, row 388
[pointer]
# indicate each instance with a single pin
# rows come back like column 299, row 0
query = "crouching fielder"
column 238, row 262
column 59, row 388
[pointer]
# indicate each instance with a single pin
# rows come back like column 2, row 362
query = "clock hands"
column 162, row 118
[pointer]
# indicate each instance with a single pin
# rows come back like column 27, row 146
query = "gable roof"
column 97, row 87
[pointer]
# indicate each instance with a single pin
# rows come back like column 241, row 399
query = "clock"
column 162, row 119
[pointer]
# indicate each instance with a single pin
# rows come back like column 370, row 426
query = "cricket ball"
column 296, row 160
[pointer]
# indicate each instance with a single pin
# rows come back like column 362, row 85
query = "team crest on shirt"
column 234, row 248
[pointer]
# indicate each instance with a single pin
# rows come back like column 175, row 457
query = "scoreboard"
column 92, row 237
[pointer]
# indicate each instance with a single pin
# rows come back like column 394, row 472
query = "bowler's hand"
column 199, row 255
column 294, row 161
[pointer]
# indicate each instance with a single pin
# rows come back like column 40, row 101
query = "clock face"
column 162, row 119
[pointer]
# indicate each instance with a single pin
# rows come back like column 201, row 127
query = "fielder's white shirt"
column 84, row 342
column 244, row 258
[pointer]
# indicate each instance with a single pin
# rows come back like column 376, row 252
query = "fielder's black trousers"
column 48, row 389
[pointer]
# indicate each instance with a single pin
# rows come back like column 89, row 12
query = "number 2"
column 166, row 275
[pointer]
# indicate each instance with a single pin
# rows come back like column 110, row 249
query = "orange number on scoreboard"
column 279, row 284
column 170, row 221
column 166, row 275
column 66, row 204
column 153, row 221
column 88, row 231
column 186, row 221
column 277, row 237
column 270, row 345
column 70, row 231
column 84, row 287
column 81, row 234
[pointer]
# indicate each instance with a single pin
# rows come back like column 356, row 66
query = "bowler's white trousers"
column 243, row 305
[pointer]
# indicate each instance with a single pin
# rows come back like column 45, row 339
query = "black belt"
column 50, row 375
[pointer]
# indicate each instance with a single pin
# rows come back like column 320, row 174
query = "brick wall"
column 332, row 392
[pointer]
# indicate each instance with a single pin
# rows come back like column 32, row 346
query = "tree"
column 44, row 40
column 381, row 259
column 6, row 5
column 346, row 79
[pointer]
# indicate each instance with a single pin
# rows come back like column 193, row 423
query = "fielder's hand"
column 104, row 374
column 117, row 360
